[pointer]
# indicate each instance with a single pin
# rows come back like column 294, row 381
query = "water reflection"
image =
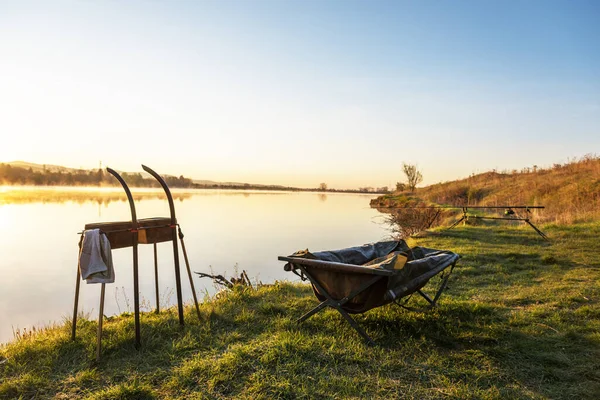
column 223, row 229
column 24, row 194
column 12, row 195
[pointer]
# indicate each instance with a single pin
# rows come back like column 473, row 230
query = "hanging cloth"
column 95, row 258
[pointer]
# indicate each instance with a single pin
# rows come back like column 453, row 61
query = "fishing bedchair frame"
column 374, row 280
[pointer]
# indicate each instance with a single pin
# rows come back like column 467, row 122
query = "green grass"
column 520, row 319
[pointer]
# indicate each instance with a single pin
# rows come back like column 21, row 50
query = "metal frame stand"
column 465, row 217
column 136, row 296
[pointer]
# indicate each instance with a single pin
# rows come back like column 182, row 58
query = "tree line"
column 13, row 175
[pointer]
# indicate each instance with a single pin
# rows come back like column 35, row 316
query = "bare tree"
column 323, row 186
column 413, row 176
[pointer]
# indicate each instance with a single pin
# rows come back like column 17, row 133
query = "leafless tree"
column 413, row 176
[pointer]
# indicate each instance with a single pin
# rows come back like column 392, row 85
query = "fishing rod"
column 509, row 212
column 462, row 207
column 525, row 207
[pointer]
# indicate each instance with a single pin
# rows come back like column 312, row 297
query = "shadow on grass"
column 501, row 235
column 548, row 362
column 443, row 326
column 509, row 265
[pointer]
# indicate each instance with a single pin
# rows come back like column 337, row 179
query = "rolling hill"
column 569, row 192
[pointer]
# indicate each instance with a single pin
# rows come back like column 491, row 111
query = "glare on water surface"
column 225, row 231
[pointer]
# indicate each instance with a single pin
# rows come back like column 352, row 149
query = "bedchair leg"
column 337, row 304
column 443, row 285
column 313, row 311
column 442, row 288
column 426, row 297
column 356, row 327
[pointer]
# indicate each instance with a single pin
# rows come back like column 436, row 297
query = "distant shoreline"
column 20, row 173
column 116, row 188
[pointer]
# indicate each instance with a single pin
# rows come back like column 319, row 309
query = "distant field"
column 520, row 319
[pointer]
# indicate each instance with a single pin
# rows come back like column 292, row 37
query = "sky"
column 300, row 92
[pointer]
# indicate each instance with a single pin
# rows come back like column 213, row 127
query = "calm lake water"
column 224, row 231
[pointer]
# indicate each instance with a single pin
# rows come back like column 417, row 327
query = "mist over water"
column 225, row 231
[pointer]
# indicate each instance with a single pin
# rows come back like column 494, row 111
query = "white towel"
column 95, row 258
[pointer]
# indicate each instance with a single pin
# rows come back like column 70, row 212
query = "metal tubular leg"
column 426, row 297
column 75, row 305
column 136, row 296
column 457, row 222
column 156, row 279
column 189, row 271
column 438, row 294
column 177, row 277
column 442, row 288
column 348, row 318
column 313, row 311
column 337, row 304
column 356, row 327
column 542, row 234
column 100, row 320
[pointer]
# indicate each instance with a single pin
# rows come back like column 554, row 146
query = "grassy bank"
column 520, row 319
column 569, row 192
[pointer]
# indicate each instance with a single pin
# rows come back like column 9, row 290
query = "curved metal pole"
column 134, row 237
column 129, row 196
column 166, row 189
column 174, row 238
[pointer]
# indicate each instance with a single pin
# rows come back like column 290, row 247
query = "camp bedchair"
column 357, row 279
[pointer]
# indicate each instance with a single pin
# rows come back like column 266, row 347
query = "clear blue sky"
column 300, row 92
